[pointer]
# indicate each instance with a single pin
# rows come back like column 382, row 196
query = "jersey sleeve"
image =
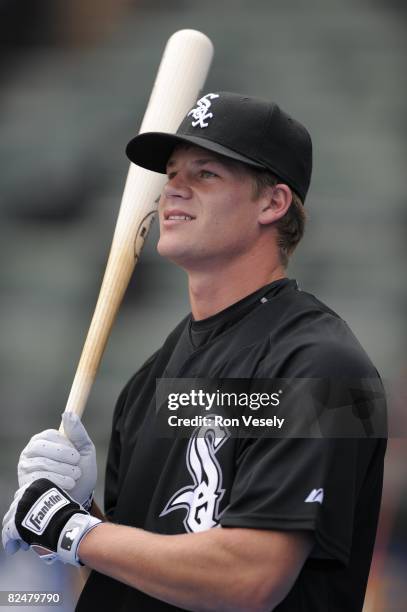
column 299, row 484
column 309, row 483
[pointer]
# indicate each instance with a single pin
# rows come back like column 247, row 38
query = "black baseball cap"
column 251, row 130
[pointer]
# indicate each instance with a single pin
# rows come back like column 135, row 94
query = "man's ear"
column 274, row 203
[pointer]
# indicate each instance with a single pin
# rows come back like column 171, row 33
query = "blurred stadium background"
column 75, row 78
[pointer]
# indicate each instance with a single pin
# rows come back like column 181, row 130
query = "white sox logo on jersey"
column 200, row 113
column 201, row 500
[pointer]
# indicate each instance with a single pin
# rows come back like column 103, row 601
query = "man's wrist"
column 78, row 526
column 86, row 543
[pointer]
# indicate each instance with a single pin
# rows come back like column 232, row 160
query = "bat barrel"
column 181, row 75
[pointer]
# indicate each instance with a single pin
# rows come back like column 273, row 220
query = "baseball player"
column 216, row 521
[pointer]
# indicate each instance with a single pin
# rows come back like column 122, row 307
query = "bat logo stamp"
column 200, row 112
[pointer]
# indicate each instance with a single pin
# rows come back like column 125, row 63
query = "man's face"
column 207, row 213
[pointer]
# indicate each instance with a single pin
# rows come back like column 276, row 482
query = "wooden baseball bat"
column 181, row 75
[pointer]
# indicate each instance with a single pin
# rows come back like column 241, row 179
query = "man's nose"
column 177, row 187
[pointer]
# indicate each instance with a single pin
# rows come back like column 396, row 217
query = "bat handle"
column 78, row 396
column 119, row 269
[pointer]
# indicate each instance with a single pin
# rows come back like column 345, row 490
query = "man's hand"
column 43, row 516
column 69, row 462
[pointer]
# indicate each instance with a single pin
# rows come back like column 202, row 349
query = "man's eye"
column 207, row 174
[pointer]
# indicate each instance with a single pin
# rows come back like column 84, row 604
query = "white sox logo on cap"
column 200, row 113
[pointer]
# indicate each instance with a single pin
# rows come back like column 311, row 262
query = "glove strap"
column 71, row 535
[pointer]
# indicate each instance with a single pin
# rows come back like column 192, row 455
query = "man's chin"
column 172, row 252
column 182, row 257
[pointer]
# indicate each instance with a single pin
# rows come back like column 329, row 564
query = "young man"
column 219, row 521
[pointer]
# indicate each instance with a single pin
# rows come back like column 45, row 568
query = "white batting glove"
column 45, row 518
column 69, row 462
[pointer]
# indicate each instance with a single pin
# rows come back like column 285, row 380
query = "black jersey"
column 330, row 487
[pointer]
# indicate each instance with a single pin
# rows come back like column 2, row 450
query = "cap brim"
column 152, row 150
